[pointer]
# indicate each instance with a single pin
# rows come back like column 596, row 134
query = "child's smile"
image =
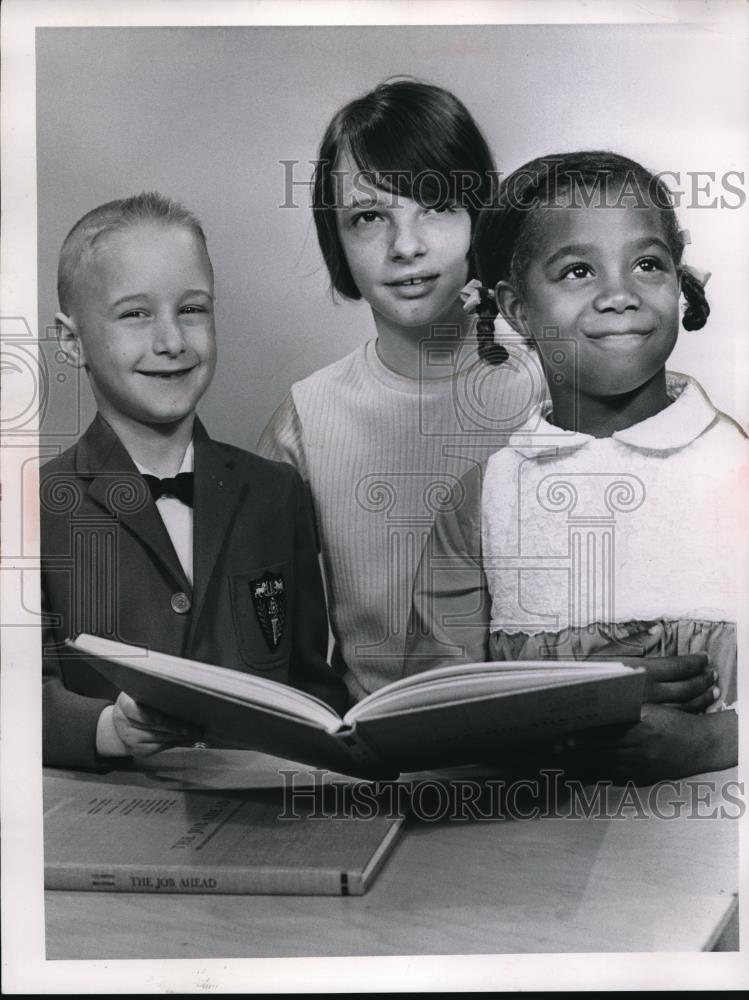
column 169, row 376
column 414, row 286
column 600, row 298
column 409, row 261
column 144, row 315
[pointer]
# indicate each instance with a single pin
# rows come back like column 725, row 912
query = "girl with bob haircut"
column 384, row 435
column 611, row 519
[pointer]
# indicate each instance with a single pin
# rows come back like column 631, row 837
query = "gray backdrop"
column 206, row 114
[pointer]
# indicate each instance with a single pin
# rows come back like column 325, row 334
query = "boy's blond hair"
column 80, row 243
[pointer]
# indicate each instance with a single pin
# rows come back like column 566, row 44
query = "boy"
column 152, row 533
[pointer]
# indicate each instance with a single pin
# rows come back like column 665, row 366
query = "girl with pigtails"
column 610, row 524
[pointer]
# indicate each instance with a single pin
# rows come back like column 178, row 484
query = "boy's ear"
column 69, row 340
column 511, row 308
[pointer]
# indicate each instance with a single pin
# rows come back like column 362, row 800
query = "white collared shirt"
column 177, row 516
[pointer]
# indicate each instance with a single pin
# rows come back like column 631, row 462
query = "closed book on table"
column 125, row 838
column 462, row 714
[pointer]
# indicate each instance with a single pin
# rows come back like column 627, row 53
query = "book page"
column 207, row 677
column 477, row 680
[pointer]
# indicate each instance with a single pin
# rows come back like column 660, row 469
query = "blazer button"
column 181, row 603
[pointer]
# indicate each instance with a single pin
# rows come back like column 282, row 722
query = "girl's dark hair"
column 504, row 237
column 408, row 137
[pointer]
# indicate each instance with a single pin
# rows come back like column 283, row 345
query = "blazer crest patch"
column 269, row 599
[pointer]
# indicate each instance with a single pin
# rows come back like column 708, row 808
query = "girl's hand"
column 665, row 743
column 146, row 731
column 684, row 682
column 687, row 682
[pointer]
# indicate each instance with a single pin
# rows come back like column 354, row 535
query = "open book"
column 462, row 714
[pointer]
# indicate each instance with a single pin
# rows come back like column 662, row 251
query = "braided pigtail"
column 489, row 351
column 697, row 307
column 498, row 232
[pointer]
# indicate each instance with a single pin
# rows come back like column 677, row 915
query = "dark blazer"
column 109, row 568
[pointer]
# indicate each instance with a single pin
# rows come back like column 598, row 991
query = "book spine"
column 356, row 747
column 228, row 881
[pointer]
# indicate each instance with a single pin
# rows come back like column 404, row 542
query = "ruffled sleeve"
column 679, row 637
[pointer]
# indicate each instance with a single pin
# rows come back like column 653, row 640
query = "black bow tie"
column 181, row 487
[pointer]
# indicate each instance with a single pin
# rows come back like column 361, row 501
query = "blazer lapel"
column 118, row 487
column 219, row 488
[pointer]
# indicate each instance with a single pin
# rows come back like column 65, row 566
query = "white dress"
column 586, row 540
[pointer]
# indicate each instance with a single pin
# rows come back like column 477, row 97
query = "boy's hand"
column 146, row 731
column 686, row 682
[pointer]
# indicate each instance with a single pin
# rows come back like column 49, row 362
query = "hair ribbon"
column 474, row 294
